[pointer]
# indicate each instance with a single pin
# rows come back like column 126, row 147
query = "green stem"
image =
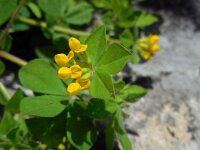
column 11, row 21
column 43, row 25
column 57, row 28
column 12, row 58
column 4, row 93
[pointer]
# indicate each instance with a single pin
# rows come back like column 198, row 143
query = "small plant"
column 60, row 112
column 73, row 84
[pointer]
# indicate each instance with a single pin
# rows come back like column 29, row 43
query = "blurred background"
column 168, row 117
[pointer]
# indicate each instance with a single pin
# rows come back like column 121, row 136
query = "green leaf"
column 39, row 76
column 7, row 7
column 127, row 38
column 120, row 131
column 79, row 14
column 38, row 126
column 43, row 129
column 7, row 123
column 119, row 85
column 54, row 8
column 114, row 59
column 105, row 4
column 135, row 57
column 99, row 108
column 127, row 24
column 35, row 9
column 24, row 11
column 133, row 92
column 101, row 86
column 110, row 136
column 80, row 130
column 43, row 106
column 146, row 20
column 2, row 67
column 14, row 102
column 96, row 45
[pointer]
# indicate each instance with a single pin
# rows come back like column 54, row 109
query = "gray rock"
column 167, row 117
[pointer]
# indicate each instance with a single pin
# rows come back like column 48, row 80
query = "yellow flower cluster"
column 147, row 46
column 70, row 66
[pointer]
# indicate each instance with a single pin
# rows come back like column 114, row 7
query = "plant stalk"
column 57, row 28
column 12, row 58
column 4, row 93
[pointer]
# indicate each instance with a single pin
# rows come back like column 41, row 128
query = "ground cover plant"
column 78, row 49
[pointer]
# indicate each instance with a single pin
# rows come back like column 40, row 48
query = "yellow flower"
column 147, row 46
column 74, row 88
column 154, row 38
column 64, row 72
column 61, row 147
column 146, row 55
column 155, row 48
column 70, row 55
column 76, row 46
column 84, row 83
column 62, row 59
column 76, row 71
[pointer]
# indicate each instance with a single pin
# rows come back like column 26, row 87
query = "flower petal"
column 76, row 71
column 64, row 72
column 74, row 88
column 146, row 55
column 154, row 39
column 155, row 48
column 70, row 55
column 74, row 44
column 81, row 49
column 61, row 59
column 84, row 83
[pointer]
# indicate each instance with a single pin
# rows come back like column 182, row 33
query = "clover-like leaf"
column 96, row 45
column 39, row 76
column 99, row 108
column 146, row 20
column 43, row 106
column 102, row 86
column 79, row 14
column 7, row 7
column 80, row 130
column 114, row 59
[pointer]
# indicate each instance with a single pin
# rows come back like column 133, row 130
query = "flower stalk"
column 12, row 58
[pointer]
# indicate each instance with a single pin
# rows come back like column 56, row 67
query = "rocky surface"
column 167, row 118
